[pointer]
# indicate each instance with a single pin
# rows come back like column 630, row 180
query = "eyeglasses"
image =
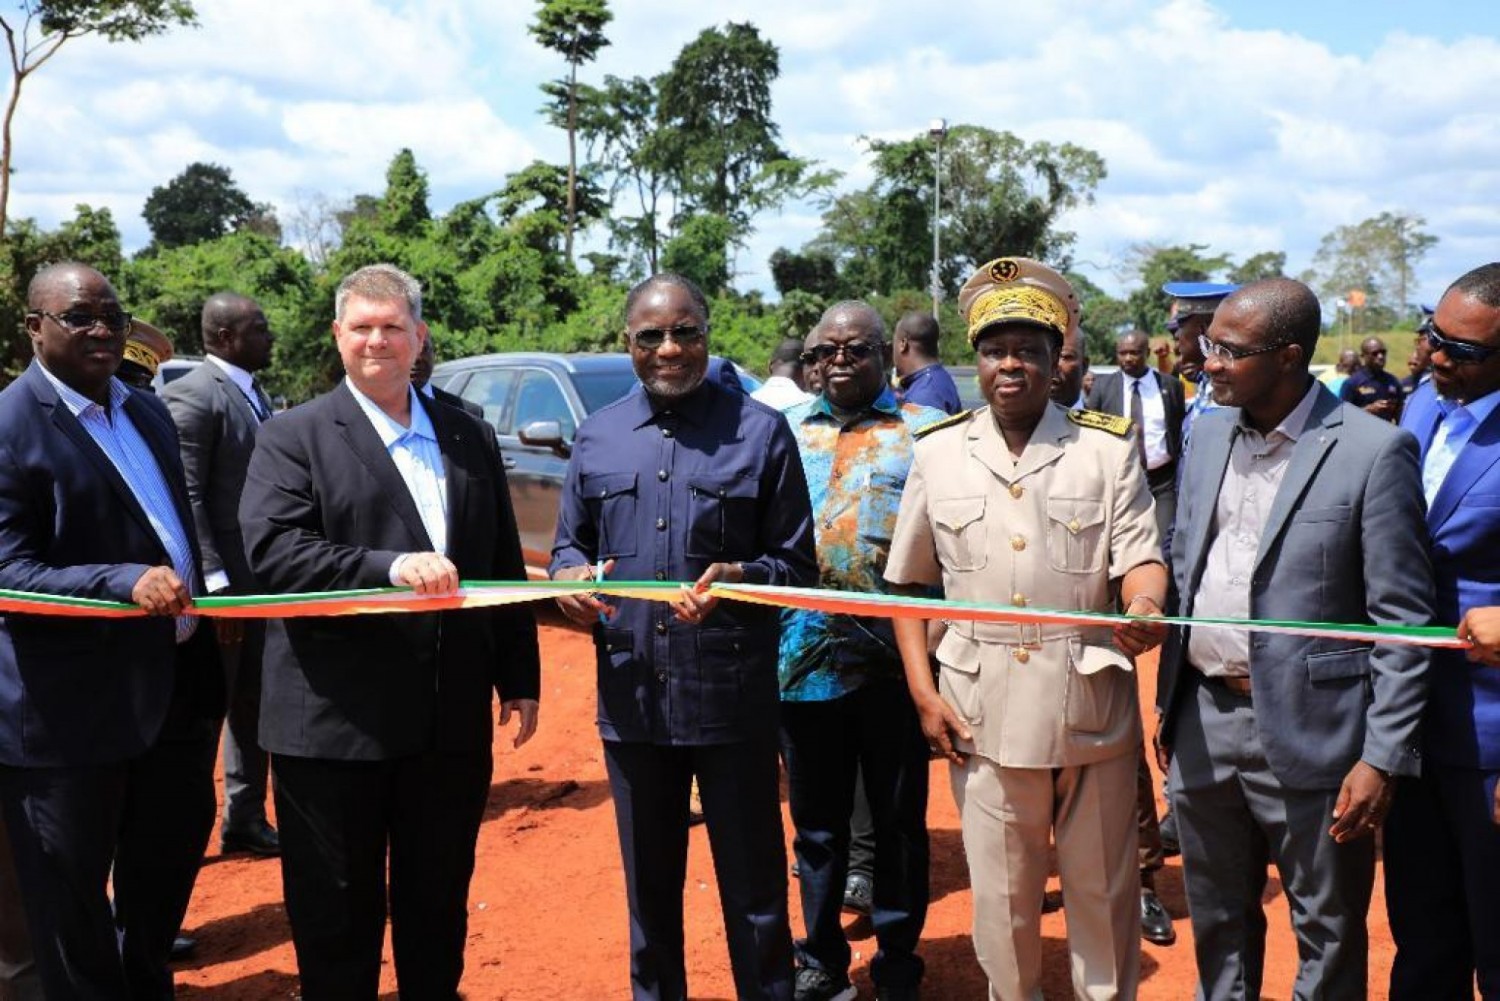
column 853, row 350
column 1229, row 354
column 80, row 322
column 1458, row 352
column 653, row 338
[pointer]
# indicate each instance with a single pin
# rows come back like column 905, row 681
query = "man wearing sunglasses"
column 1442, row 850
column 1284, row 748
column 1371, row 387
column 93, row 504
column 685, row 479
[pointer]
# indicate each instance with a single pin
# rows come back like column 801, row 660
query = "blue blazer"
column 79, row 691
column 1463, row 713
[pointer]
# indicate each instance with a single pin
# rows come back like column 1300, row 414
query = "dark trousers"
column 63, row 825
column 164, row 828
column 246, row 766
column 873, row 729
column 1233, row 818
column 739, row 786
column 1148, row 827
column 861, row 831
column 1442, row 885
column 19, row 980
column 339, row 822
column 1163, row 485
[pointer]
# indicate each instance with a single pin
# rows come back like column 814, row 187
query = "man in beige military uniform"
column 1029, row 504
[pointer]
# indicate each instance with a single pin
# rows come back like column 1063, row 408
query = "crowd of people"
column 1237, row 486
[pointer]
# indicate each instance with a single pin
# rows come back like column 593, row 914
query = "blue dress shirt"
column 418, row 459
column 665, row 488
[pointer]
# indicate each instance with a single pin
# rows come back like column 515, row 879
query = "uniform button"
column 661, row 676
column 661, row 628
column 661, row 524
column 1235, row 581
column 666, row 432
column 1018, row 599
column 661, row 474
column 1017, row 542
column 1016, row 490
column 1073, row 526
column 1023, row 655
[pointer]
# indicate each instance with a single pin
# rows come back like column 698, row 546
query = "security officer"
column 1024, row 502
column 1370, row 386
column 686, row 479
column 1193, row 306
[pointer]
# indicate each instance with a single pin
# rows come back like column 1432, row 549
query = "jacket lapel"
column 1317, row 439
column 361, row 439
column 237, row 401
column 164, row 449
column 1475, row 459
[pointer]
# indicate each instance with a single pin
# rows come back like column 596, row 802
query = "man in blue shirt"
column 686, row 480
column 923, row 378
column 1370, row 386
column 843, row 692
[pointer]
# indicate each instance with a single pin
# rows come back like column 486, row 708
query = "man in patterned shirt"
column 843, row 698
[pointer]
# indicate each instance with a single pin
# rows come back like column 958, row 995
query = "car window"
column 540, row 398
column 491, row 388
column 600, row 389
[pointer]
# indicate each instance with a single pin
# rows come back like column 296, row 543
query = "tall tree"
column 1376, row 256
column 38, row 28
column 1156, row 265
column 201, row 203
column 1000, row 196
column 574, row 29
column 1258, row 267
column 627, row 146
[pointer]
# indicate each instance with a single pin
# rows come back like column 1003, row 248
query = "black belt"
column 1239, row 686
column 1166, row 473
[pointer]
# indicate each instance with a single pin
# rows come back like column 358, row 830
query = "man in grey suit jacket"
column 1292, row 506
column 218, row 407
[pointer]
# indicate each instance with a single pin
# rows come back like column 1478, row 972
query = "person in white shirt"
column 784, row 388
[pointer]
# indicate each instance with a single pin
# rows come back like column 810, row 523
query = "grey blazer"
column 1346, row 541
column 217, row 429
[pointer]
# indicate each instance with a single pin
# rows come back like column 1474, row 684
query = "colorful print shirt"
column 855, row 475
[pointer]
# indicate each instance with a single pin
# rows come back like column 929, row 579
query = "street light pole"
column 937, row 129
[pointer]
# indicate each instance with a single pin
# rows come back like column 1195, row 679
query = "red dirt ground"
column 547, row 905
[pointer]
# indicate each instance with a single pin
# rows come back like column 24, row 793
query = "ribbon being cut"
column 485, row 594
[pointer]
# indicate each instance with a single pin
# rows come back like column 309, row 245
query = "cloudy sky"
column 1246, row 126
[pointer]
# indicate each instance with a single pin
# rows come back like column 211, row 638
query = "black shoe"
column 1156, row 923
column 183, row 947
column 885, row 993
column 859, row 894
column 1052, row 902
column 1170, row 846
column 814, row 984
column 259, row 838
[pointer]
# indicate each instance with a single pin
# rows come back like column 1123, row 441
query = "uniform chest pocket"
column 1075, row 535
column 721, row 517
column 611, row 499
column 959, row 533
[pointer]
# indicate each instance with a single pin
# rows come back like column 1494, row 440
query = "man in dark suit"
column 421, row 378
column 218, row 407
column 1155, row 402
column 1442, row 850
column 1285, row 748
column 380, row 726
column 106, row 725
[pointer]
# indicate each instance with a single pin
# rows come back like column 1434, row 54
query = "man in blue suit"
column 99, row 718
column 1442, row 848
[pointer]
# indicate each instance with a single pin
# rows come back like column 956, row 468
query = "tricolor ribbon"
column 488, row 594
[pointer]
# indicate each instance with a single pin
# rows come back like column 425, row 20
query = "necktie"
column 1138, row 418
column 260, row 402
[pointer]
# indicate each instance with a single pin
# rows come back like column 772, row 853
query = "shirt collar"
column 76, row 402
column 426, row 391
column 389, row 430
column 923, row 372
column 1479, row 409
column 1294, row 423
column 240, row 377
column 695, row 406
column 885, row 403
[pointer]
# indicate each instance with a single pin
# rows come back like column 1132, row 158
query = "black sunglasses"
column 853, row 350
column 79, row 322
column 1458, row 352
column 684, row 337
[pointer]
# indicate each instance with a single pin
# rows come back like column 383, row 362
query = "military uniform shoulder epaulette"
column 1113, row 423
column 947, row 422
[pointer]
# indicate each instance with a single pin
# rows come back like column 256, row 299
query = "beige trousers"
column 1009, row 818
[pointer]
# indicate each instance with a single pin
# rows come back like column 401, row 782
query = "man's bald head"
column 853, row 312
column 235, row 329
column 57, row 283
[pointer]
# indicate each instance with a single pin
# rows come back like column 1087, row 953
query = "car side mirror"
column 546, row 434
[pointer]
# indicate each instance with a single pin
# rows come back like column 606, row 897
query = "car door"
column 537, row 474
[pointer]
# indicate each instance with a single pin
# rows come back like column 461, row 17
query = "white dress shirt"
column 1154, row 410
column 244, row 382
column 418, row 459
column 779, row 392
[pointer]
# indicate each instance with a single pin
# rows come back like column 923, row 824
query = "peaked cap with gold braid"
column 1018, row 290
